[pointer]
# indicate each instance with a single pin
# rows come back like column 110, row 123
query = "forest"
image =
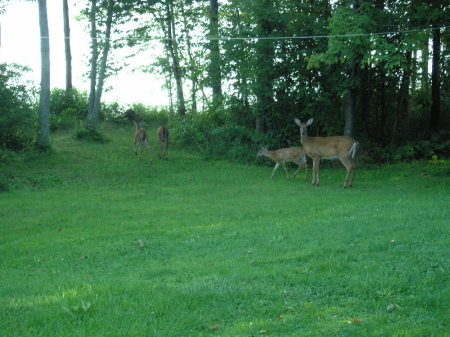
column 239, row 72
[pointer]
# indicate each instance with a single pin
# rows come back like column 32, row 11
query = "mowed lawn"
column 95, row 243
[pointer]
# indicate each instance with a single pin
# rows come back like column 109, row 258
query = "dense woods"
column 239, row 72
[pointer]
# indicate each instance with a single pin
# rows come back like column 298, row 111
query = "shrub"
column 192, row 131
column 90, row 135
column 234, row 142
column 66, row 108
column 17, row 111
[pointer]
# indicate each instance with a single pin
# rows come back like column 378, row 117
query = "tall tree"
column 91, row 118
column 436, row 80
column 43, row 136
column 104, row 59
column 265, row 52
column 214, row 70
column 68, row 52
column 97, row 75
column 171, row 45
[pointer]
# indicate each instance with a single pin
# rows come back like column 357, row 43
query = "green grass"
column 95, row 243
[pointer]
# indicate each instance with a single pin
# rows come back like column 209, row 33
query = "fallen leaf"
column 392, row 307
column 59, row 230
column 356, row 320
column 214, row 326
column 139, row 242
column 279, row 316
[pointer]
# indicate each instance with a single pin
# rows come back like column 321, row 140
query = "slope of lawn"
column 95, row 243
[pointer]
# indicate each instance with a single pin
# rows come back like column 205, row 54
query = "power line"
column 256, row 38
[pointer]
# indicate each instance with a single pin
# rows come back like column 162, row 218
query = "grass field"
column 95, row 243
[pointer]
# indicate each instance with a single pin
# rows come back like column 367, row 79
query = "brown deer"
column 163, row 140
column 341, row 147
column 281, row 156
column 141, row 139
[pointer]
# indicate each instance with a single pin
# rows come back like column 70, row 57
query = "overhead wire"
column 256, row 38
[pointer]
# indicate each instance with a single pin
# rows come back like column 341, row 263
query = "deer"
column 341, row 147
column 141, row 139
column 163, row 140
column 281, row 156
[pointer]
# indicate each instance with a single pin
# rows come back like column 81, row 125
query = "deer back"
column 327, row 147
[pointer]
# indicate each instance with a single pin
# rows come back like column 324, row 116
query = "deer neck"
column 304, row 138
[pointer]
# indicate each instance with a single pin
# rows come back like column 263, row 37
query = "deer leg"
column 306, row 170
column 295, row 173
column 315, row 180
column 353, row 168
column 347, row 162
column 285, row 170
column 300, row 165
column 277, row 165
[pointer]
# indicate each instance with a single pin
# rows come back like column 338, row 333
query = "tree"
column 43, row 136
column 171, row 45
column 97, row 76
column 435, row 114
column 68, row 52
column 214, row 68
column 92, row 118
column 265, row 52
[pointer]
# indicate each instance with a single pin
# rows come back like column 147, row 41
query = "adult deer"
column 163, row 140
column 141, row 139
column 281, row 156
column 341, row 147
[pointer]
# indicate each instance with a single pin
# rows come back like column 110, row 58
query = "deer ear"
column 310, row 121
column 297, row 121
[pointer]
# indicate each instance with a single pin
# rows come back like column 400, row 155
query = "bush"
column 4, row 183
column 17, row 109
column 191, row 132
column 234, row 143
column 90, row 135
column 66, row 108
column 203, row 134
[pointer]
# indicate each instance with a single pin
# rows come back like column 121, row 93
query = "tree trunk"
column 264, row 70
column 351, row 98
column 43, row 136
column 103, row 63
column 91, row 122
column 193, row 67
column 67, row 46
column 425, row 61
column 435, row 81
column 214, row 71
column 354, row 86
column 403, row 101
column 175, row 62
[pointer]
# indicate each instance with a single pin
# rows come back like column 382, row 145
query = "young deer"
column 163, row 140
column 281, row 156
column 341, row 147
column 141, row 139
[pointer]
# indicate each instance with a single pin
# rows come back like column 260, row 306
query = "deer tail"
column 352, row 150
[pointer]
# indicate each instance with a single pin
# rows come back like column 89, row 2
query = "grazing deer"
column 341, row 147
column 281, row 156
column 141, row 139
column 163, row 140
